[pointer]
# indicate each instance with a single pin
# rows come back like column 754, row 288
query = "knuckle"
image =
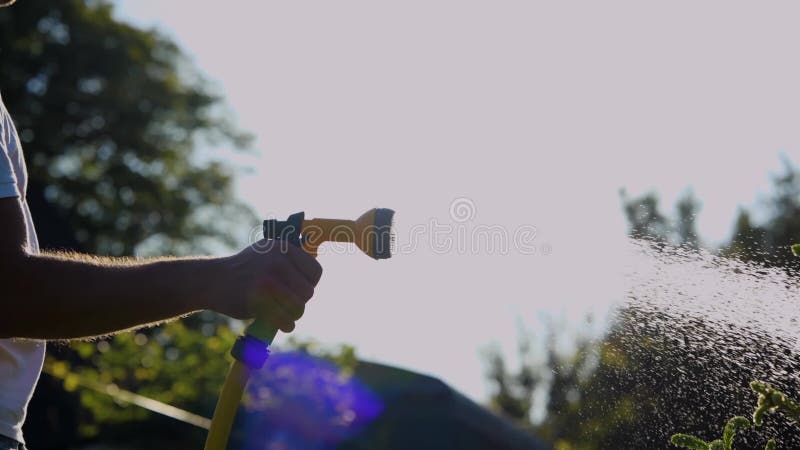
column 317, row 273
column 269, row 284
column 298, row 312
column 307, row 293
column 274, row 264
column 266, row 266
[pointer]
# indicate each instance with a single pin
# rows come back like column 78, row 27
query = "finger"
column 291, row 305
column 272, row 313
column 305, row 263
column 291, row 310
column 296, row 282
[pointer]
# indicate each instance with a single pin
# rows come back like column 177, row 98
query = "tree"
column 685, row 223
column 110, row 116
column 644, row 218
column 783, row 225
column 646, row 221
column 748, row 241
column 768, row 243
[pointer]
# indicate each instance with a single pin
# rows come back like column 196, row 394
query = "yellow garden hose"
column 256, row 338
column 228, row 403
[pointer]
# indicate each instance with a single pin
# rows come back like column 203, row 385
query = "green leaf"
column 771, row 445
column 733, row 425
column 771, row 399
column 796, row 249
column 688, row 441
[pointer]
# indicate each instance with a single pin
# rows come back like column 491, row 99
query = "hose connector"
column 250, row 351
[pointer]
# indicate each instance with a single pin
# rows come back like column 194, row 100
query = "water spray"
column 371, row 233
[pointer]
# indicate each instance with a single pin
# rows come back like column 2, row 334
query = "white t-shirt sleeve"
column 8, row 179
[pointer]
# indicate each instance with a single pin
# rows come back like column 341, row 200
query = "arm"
column 63, row 296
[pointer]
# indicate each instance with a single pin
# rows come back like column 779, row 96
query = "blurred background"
column 521, row 145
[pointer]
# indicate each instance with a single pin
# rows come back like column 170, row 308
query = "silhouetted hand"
column 270, row 280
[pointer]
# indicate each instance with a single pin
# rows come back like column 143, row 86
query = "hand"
column 270, row 280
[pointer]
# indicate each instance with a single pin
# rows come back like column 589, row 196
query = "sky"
column 487, row 121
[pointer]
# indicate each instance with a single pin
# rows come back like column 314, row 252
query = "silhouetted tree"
column 685, row 222
column 646, row 221
column 110, row 116
column 748, row 241
column 644, row 218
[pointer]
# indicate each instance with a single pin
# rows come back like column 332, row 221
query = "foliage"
column 766, row 243
column 733, row 425
column 176, row 364
column 726, row 443
column 644, row 217
column 587, row 404
column 639, row 383
column 647, row 222
column 689, row 441
column 771, row 399
column 109, row 116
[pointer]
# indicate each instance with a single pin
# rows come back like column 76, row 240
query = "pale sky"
column 534, row 114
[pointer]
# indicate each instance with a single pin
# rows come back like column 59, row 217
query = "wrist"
column 211, row 279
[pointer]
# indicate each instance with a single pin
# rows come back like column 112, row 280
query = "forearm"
column 62, row 296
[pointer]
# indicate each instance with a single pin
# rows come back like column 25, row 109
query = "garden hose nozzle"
column 371, row 232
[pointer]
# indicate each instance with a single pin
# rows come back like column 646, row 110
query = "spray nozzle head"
column 371, row 232
column 374, row 233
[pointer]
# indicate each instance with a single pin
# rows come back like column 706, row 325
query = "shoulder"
column 5, row 121
column 8, row 133
column 3, row 112
column 8, row 176
column 5, row 124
